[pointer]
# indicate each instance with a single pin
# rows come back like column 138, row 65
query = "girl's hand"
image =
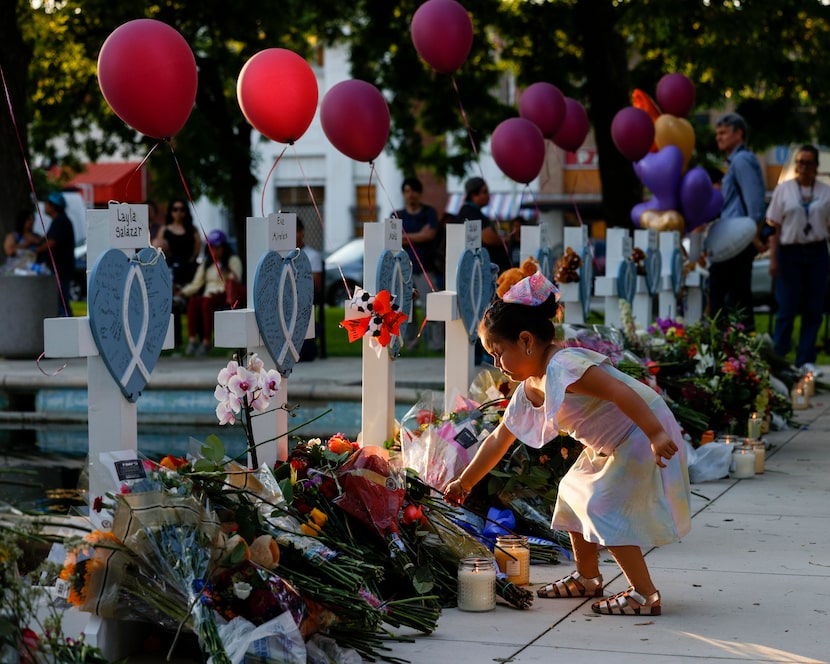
column 455, row 493
column 663, row 447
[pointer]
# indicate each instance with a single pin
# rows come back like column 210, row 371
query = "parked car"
column 349, row 260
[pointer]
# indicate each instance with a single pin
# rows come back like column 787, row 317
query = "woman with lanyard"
column 800, row 214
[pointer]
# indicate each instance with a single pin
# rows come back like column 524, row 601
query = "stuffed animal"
column 514, row 275
column 567, row 268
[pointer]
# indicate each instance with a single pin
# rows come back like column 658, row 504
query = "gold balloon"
column 662, row 220
column 669, row 130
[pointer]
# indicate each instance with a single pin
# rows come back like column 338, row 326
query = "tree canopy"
column 764, row 59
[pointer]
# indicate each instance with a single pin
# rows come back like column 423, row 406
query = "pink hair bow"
column 532, row 290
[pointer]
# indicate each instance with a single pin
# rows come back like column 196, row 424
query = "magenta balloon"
column 442, row 33
column 676, row 94
column 633, row 132
column 147, row 74
column 277, row 92
column 660, row 172
column 574, row 129
column 518, row 149
column 544, row 105
column 355, row 119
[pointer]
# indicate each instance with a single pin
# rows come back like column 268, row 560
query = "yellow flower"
column 318, row 517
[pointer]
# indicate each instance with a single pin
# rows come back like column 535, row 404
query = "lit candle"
column 513, row 558
column 810, row 384
column 744, row 459
column 477, row 584
column 754, row 427
column 800, row 398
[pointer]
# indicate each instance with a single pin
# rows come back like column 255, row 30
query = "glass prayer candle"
column 759, row 448
column 754, row 426
column 513, row 558
column 743, row 459
column 799, row 397
column 477, row 584
column 809, row 384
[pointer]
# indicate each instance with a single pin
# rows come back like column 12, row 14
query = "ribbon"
column 382, row 321
column 135, row 346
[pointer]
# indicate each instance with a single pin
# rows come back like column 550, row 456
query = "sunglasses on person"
column 178, row 208
column 803, row 162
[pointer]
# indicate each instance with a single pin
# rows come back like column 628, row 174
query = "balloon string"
column 406, row 237
column 138, row 169
column 7, row 94
column 198, row 218
column 267, row 178
column 466, row 123
column 311, row 193
column 572, row 189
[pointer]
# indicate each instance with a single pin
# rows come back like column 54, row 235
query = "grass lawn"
column 337, row 344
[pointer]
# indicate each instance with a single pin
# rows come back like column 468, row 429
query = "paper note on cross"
column 278, row 318
column 129, row 323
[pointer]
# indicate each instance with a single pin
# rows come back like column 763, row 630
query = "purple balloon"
column 544, row 105
column 712, row 210
column 676, row 94
column 694, row 193
column 574, row 129
column 633, row 132
column 518, row 149
column 660, row 172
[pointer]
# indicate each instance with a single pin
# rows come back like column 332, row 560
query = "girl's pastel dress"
column 614, row 494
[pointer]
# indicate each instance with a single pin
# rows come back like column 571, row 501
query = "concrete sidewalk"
column 750, row 583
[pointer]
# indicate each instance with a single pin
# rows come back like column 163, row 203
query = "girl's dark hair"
column 507, row 320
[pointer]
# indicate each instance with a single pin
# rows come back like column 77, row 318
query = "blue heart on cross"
column 283, row 305
column 395, row 275
column 129, row 304
column 474, row 288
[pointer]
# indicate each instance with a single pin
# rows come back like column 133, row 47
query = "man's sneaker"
column 809, row 367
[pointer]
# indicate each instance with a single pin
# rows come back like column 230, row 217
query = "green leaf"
column 213, row 448
column 204, row 466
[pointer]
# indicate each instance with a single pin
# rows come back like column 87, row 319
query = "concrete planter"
column 24, row 302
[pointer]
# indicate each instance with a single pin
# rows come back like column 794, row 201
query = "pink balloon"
column 147, row 74
column 676, row 94
column 277, row 92
column 633, row 132
column 544, row 105
column 442, row 33
column 355, row 119
column 574, row 129
column 518, row 149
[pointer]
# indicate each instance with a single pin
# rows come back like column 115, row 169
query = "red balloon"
column 442, row 33
column 518, row 149
column 148, row 76
column 277, row 92
column 355, row 119
column 633, row 132
column 574, row 129
column 544, row 105
column 676, row 94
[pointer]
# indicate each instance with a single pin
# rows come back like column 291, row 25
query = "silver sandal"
column 629, row 603
column 573, row 585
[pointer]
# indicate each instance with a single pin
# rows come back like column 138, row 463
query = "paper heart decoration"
column 129, row 303
column 627, row 281
column 474, row 288
column 395, row 275
column 283, row 305
column 586, row 280
column 654, row 265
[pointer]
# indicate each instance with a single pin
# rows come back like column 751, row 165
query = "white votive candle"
column 477, row 584
column 743, row 459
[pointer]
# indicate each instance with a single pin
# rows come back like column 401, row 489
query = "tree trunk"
column 606, row 68
column 15, row 56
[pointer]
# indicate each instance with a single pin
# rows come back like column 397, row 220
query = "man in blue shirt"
column 743, row 188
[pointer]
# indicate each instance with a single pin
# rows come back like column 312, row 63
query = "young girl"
column 628, row 489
